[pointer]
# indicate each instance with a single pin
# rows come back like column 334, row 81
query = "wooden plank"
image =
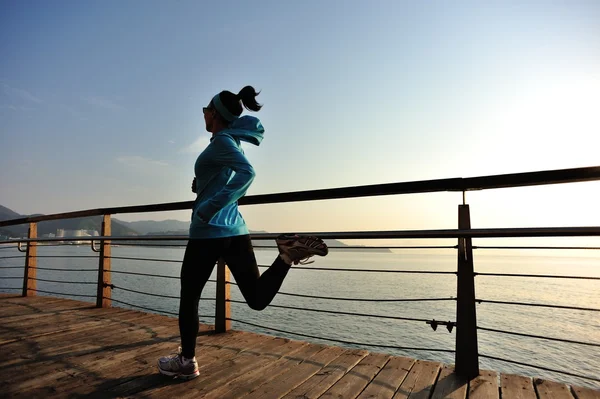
column 420, row 380
column 40, row 354
column 159, row 387
column 516, row 386
column 88, row 346
column 293, row 377
column 48, row 326
column 585, row 393
column 319, row 383
column 74, row 375
column 485, row 386
column 79, row 326
column 65, row 313
column 89, row 374
column 207, row 363
column 18, row 306
column 552, row 390
column 449, row 385
column 386, row 383
column 243, row 385
column 94, row 376
column 43, row 365
column 353, row 383
column 242, row 364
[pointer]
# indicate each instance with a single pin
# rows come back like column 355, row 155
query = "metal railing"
column 466, row 348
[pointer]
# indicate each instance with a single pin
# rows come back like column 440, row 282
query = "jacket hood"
column 245, row 128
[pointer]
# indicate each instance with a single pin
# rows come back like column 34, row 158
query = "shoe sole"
column 178, row 375
column 294, row 238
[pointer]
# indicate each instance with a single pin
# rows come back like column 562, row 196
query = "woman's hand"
column 194, row 185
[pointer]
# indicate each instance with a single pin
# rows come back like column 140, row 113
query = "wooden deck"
column 55, row 348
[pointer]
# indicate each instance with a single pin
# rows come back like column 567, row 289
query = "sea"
column 360, row 327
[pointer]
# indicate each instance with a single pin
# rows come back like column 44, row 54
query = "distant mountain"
column 122, row 228
column 7, row 214
column 85, row 223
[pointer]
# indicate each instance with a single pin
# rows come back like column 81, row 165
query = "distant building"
column 76, row 233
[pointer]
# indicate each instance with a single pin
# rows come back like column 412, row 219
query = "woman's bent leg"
column 258, row 290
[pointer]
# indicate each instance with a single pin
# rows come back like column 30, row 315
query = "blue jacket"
column 223, row 175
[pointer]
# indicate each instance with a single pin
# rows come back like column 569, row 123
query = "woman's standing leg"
column 198, row 263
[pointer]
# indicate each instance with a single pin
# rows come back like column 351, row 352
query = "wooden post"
column 104, row 292
column 223, row 306
column 29, row 282
column 467, row 357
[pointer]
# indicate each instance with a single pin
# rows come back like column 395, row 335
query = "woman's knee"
column 255, row 304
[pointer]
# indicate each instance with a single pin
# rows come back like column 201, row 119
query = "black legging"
column 198, row 263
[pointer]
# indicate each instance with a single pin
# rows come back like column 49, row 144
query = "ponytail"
column 229, row 107
column 248, row 97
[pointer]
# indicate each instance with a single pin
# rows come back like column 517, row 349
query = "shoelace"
column 310, row 243
column 304, row 261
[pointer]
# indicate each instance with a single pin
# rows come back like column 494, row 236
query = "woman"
column 223, row 175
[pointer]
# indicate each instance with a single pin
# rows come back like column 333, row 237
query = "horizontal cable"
column 11, row 267
column 535, row 275
column 141, row 274
column 338, row 312
column 122, row 244
column 151, row 294
column 62, row 293
column 539, row 336
column 12, row 257
column 362, row 299
column 537, row 304
column 11, row 277
column 63, row 282
column 540, row 367
column 66, row 270
column 153, row 310
column 342, row 341
column 366, row 270
column 10, row 247
column 65, row 256
column 377, row 247
column 149, row 275
column 146, row 259
column 11, row 288
column 54, row 244
column 140, row 307
column 535, row 247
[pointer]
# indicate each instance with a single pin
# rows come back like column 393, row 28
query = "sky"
column 101, row 105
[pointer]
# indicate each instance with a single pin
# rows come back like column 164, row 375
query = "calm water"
column 569, row 324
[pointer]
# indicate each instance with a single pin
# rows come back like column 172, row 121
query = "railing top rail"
column 390, row 234
column 415, row 187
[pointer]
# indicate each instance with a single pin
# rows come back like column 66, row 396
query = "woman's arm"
column 225, row 152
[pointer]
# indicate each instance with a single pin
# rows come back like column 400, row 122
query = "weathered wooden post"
column 223, row 306
column 29, row 282
column 467, row 356
column 104, row 291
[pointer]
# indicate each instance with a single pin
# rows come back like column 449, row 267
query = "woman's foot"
column 177, row 366
column 294, row 248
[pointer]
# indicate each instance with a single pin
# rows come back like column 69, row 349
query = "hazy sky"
column 100, row 104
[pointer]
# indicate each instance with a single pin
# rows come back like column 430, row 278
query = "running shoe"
column 298, row 249
column 176, row 365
